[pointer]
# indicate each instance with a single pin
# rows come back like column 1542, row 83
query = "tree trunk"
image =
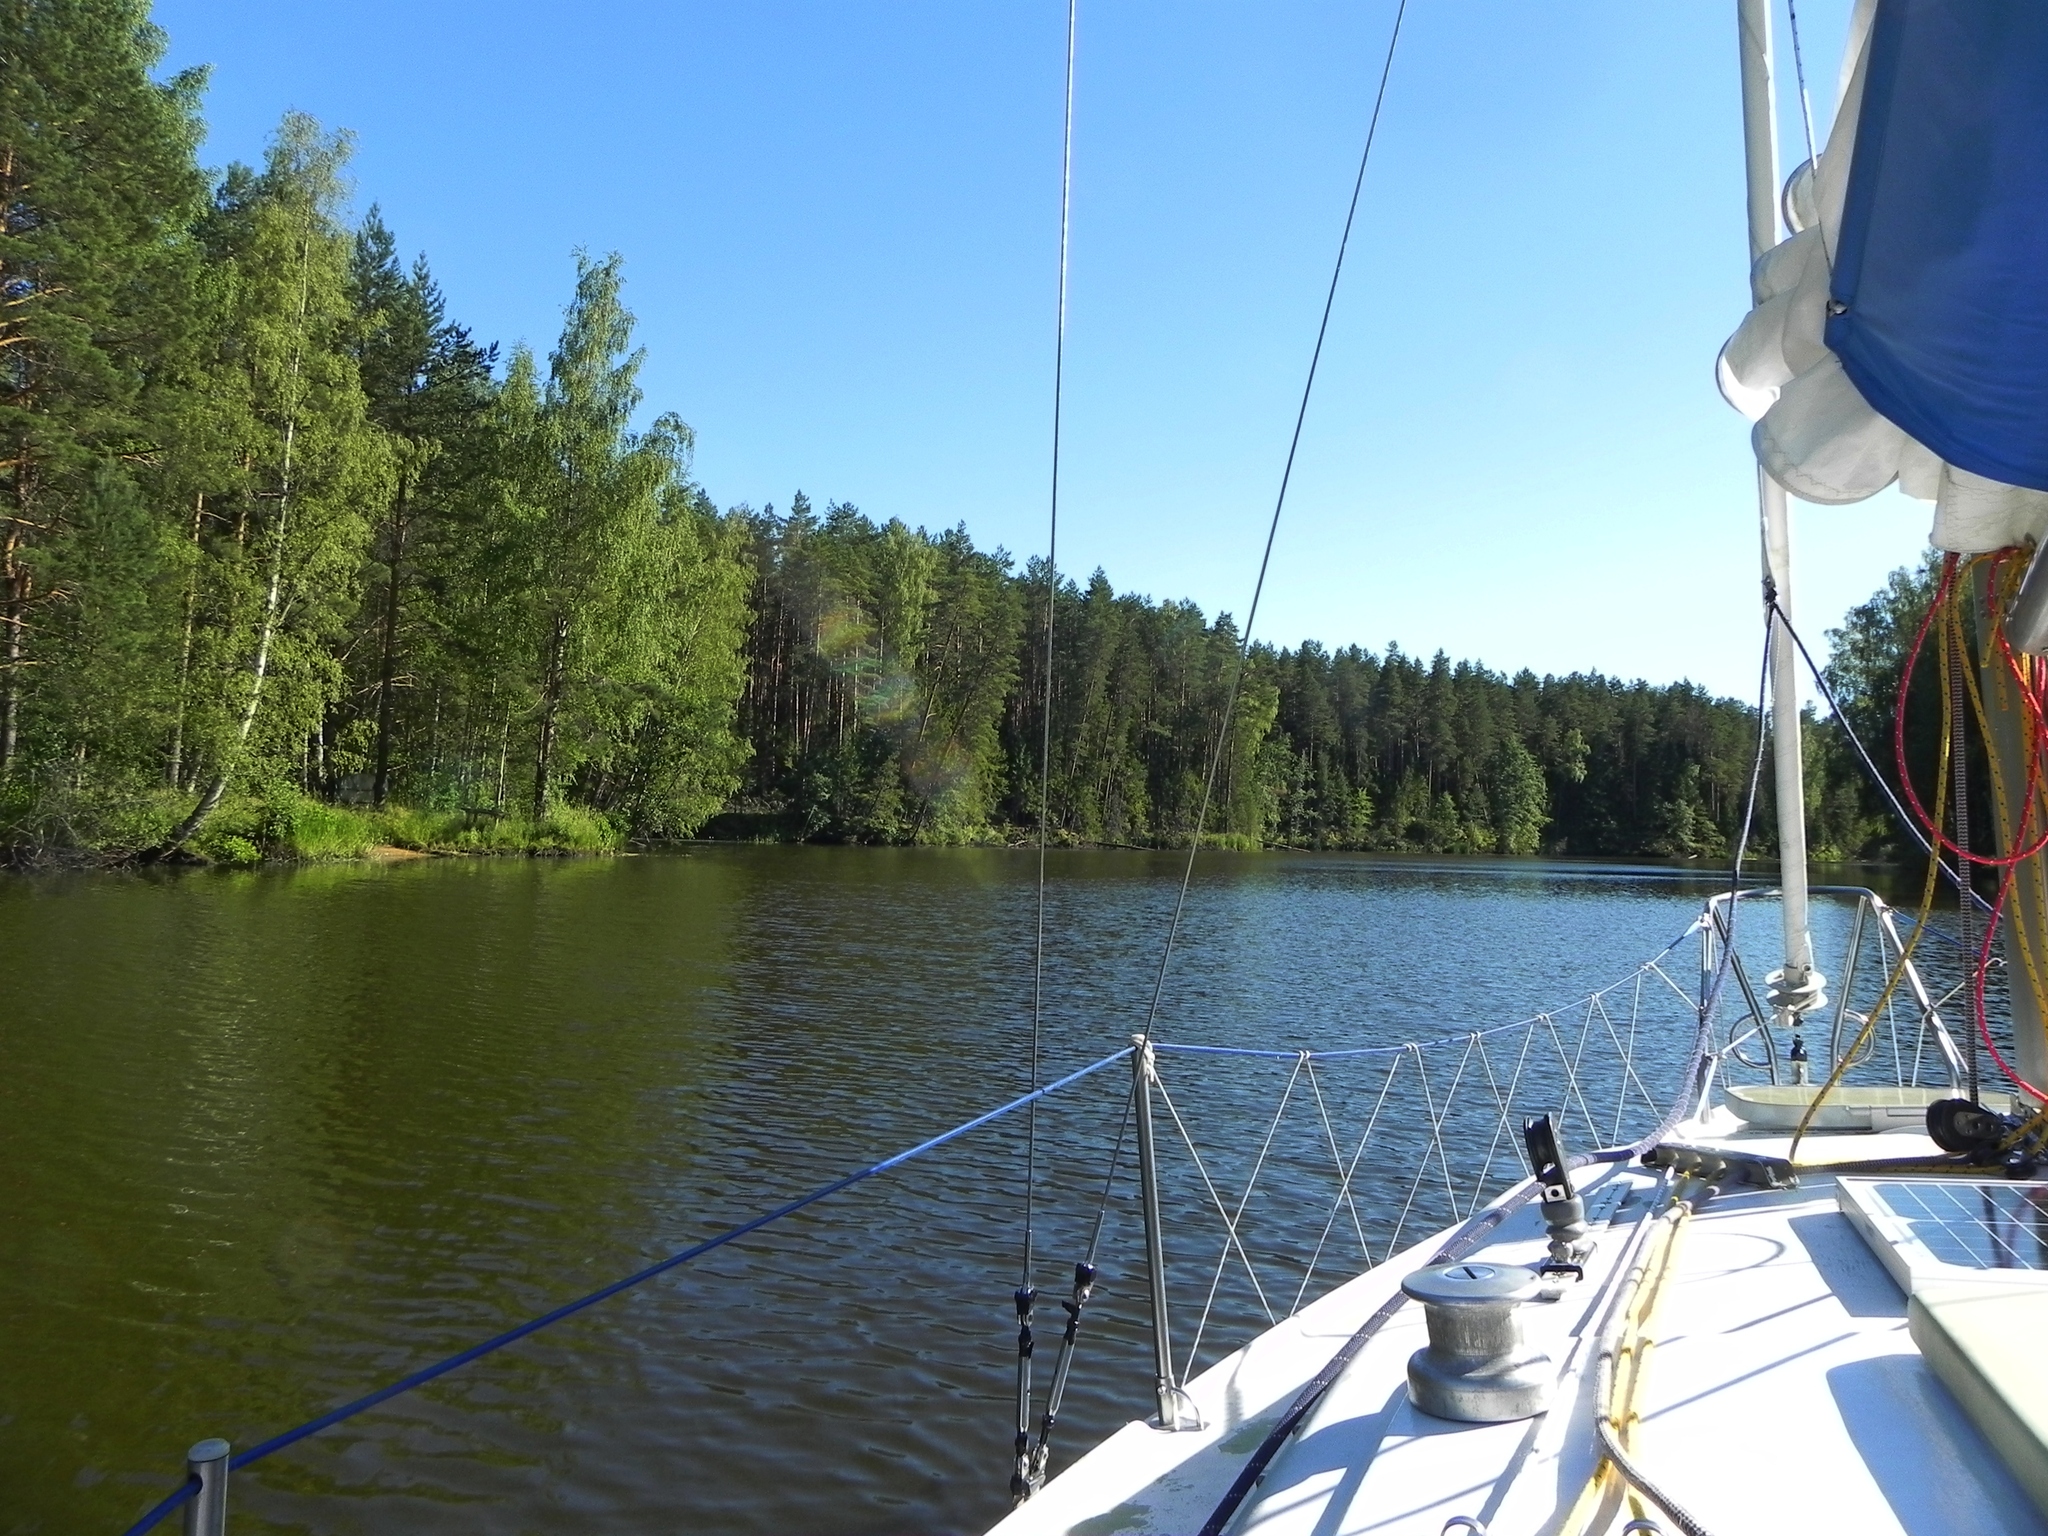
column 504, row 752
column 14, row 592
column 175, row 769
column 14, row 595
column 434, row 738
column 209, row 802
column 387, row 666
column 550, row 703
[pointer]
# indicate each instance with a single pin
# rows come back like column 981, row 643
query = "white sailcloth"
column 1815, row 434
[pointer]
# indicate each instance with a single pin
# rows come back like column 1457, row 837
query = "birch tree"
column 289, row 538
column 601, row 564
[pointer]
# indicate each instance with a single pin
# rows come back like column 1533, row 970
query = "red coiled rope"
column 1932, row 824
column 2007, row 864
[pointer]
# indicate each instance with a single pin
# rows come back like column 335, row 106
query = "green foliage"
column 305, row 829
column 291, row 469
column 879, row 671
column 863, row 630
column 276, row 544
column 288, row 568
column 1848, row 815
column 429, row 386
column 629, row 591
column 98, row 271
column 1519, row 799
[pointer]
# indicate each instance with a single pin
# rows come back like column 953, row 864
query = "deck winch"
column 1477, row 1368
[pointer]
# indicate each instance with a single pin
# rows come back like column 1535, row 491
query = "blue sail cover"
column 1941, row 278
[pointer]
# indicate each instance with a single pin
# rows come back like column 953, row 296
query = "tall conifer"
column 428, row 385
column 97, row 190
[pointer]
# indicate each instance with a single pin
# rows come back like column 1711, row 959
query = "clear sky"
column 840, row 228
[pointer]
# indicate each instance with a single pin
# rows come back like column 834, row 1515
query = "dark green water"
column 272, row 1139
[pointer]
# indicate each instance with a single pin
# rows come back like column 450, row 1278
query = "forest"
column 292, row 564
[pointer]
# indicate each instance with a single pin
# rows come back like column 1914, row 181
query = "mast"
column 1797, row 986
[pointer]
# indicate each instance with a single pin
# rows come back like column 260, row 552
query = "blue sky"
column 840, row 226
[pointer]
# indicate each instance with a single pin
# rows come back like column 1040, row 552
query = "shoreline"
column 90, row 861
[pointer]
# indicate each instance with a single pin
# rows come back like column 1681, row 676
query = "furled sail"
column 1900, row 333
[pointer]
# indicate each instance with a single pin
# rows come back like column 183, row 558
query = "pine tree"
column 97, row 189
column 1520, row 801
column 428, row 385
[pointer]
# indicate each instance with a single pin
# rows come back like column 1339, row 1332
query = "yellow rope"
column 1593, row 1509
column 1954, row 651
column 2014, row 827
column 1927, row 892
column 2037, row 1121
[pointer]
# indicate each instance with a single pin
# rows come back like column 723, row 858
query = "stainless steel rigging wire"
column 1870, row 768
column 1273, row 527
column 1805, row 101
column 1026, row 1295
column 1059, row 359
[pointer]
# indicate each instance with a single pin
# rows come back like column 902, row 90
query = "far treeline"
column 292, row 564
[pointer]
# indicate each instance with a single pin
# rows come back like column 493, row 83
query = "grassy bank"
column 289, row 826
column 284, row 825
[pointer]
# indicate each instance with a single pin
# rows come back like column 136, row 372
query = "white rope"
column 1229, row 1226
column 1571, row 1082
column 1684, row 996
column 1572, row 1069
column 1577, row 1060
column 1628, row 1057
column 1258, row 1164
column 1422, row 1168
column 1336, row 1157
column 1393, row 1070
column 1502, row 1126
column 1437, row 1124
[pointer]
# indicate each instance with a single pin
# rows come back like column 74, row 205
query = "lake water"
column 275, row 1138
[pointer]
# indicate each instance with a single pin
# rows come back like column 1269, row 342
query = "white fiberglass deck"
column 1784, row 1394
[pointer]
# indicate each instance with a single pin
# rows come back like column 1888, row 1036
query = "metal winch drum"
column 1477, row 1367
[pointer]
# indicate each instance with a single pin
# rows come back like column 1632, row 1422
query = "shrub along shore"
column 297, row 828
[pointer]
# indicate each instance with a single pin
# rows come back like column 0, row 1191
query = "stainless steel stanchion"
column 1155, row 1244
column 207, row 1512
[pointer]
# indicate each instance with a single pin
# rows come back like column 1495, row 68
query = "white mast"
column 1797, row 987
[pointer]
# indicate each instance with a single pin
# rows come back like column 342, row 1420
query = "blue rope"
column 183, row 1494
column 170, row 1502
column 534, row 1325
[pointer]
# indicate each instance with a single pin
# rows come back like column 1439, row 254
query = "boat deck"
column 1785, row 1392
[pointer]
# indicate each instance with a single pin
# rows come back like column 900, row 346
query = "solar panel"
column 1975, row 1226
column 1930, row 1228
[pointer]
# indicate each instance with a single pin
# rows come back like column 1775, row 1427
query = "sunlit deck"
column 1784, row 1393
